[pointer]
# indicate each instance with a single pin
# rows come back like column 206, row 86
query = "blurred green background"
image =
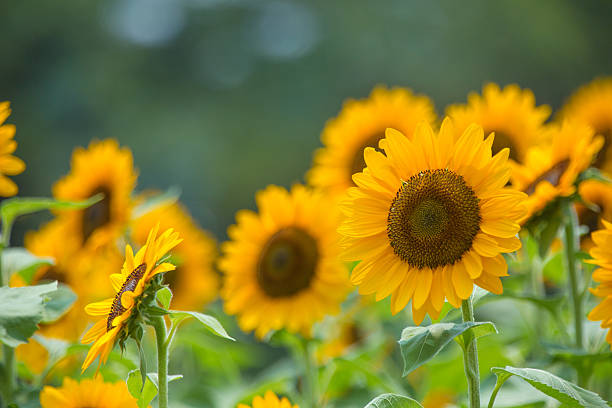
column 223, row 97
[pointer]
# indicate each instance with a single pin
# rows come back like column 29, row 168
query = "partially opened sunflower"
column 269, row 400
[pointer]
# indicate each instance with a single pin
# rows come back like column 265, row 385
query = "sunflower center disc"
column 433, row 219
column 130, row 284
column 287, row 262
column 96, row 215
column 501, row 141
column 358, row 161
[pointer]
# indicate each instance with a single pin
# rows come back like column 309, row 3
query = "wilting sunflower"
column 602, row 256
column 104, row 168
column 89, row 393
column 510, row 113
column 194, row 282
column 430, row 217
column 281, row 266
column 9, row 164
column 598, row 196
column 361, row 124
column 592, row 104
column 550, row 171
column 137, row 271
column 270, row 400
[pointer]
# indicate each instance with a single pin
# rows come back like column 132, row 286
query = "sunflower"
column 9, row 165
column 194, row 283
column 104, row 168
column 89, row 393
column 137, row 271
column 550, row 171
column 270, row 400
column 510, row 113
column 281, row 266
column 430, row 217
column 602, row 256
column 598, row 195
column 592, row 104
column 361, row 124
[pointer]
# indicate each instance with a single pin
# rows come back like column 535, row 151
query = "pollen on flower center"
column 130, row 284
column 433, row 219
column 96, row 215
column 287, row 263
column 358, row 161
column 501, row 141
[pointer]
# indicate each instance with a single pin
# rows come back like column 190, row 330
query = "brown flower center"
column 96, row 215
column 53, row 273
column 501, row 141
column 358, row 161
column 287, row 262
column 552, row 175
column 130, row 284
column 433, row 219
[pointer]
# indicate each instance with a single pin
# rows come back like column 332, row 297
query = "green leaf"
column 21, row 309
column 568, row 394
column 168, row 197
column 393, row 401
column 164, row 296
column 58, row 303
column 420, row 344
column 593, row 174
column 144, row 394
column 209, row 322
column 21, row 261
column 154, row 379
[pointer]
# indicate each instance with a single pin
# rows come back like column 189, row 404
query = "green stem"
column 571, row 243
column 470, row 356
column 8, row 352
column 310, row 375
column 162, row 361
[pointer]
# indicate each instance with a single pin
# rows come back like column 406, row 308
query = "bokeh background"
column 222, row 97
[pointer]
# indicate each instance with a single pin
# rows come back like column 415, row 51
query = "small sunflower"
column 510, row 113
column 137, row 271
column 270, row 400
column 281, row 266
column 592, row 104
column 598, row 195
column 89, row 393
column 361, row 124
column 194, row 282
column 550, row 171
column 104, row 168
column 602, row 256
column 430, row 217
column 9, row 164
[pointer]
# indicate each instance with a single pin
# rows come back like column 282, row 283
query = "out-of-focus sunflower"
column 430, row 217
column 510, row 113
column 341, row 338
column 598, row 196
column 361, row 124
column 137, row 271
column 194, row 282
column 281, row 266
column 104, row 168
column 550, row 171
column 592, row 104
column 602, row 256
column 439, row 399
column 269, row 400
column 88, row 393
column 9, row 164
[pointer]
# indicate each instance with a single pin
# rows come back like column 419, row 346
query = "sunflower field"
column 305, row 204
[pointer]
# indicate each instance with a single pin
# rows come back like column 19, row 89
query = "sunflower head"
column 592, row 105
column 9, row 164
column 430, row 217
column 89, row 393
column 510, row 113
column 361, row 124
column 602, row 257
column 550, row 171
column 281, row 266
column 269, row 400
column 103, row 168
column 117, row 312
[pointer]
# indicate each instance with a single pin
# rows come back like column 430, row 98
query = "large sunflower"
column 281, row 266
column 89, row 393
column 9, row 164
column 550, row 171
column 592, row 104
column 137, row 271
column 269, row 400
column 430, row 217
column 361, row 124
column 194, row 283
column 104, row 168
column 510, row 113
column 602, row 254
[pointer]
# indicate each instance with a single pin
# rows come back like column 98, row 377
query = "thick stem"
column 470, row 356
column 571, row 243
column 162, row 361
column 310, row 376
column 8, row 352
